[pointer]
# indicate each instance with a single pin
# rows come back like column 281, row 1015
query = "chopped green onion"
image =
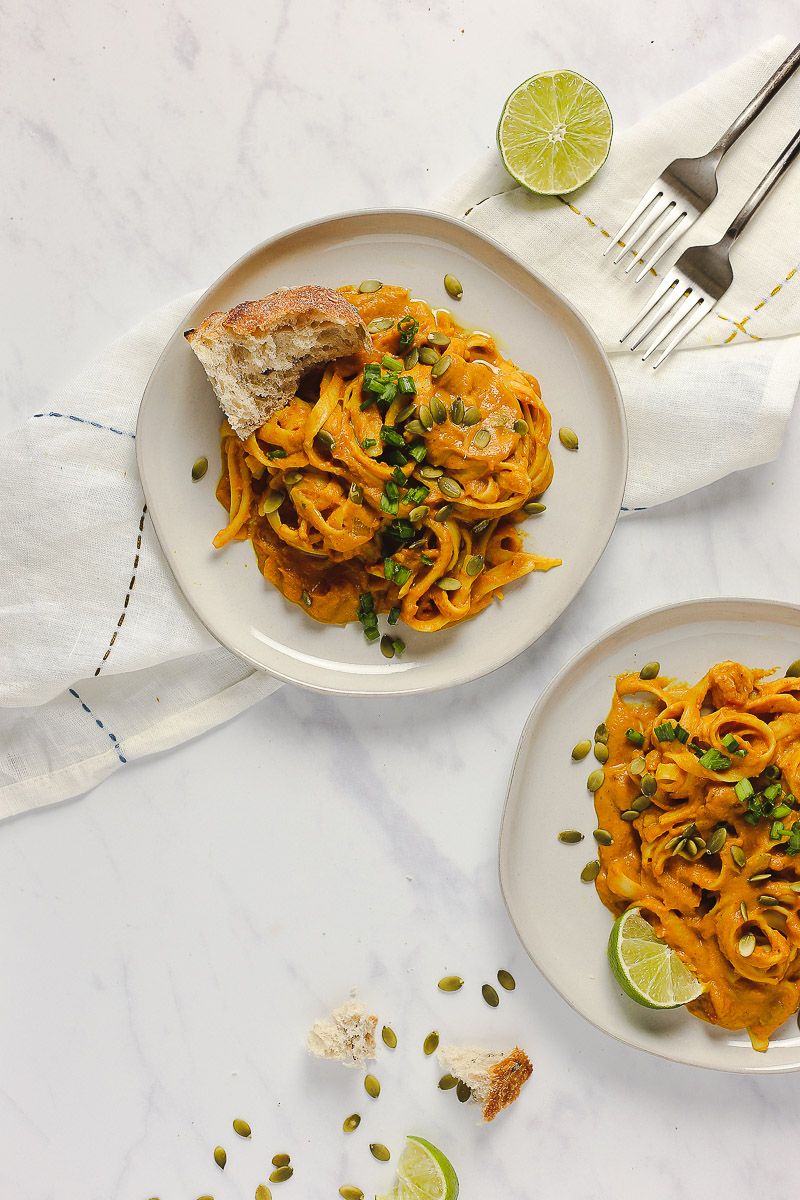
column 391, row 436
column 401, row 574
column 368, row 443
column 372, row 635
column 793, row 845
column 781, row 811
column 399, row 476
column 730, row 743
column 400, row 529
column 713, row 760
column 744, row 790
column 365, row 404
column 406, row 386
column 409, row 328
column 388, row 505
column 394, row 616
column 372, row 369
column 398, row 458
column 392, row 490
column 279, row 453
column 391, row 364
column 399, row 645
column 388, row 568
column 776, row 831
column 789, row 799
column 633, row 735
column 366, row 602
column 388, row 392
column 741, row 752
column 419, row 452
column 426, row 558
column 373, row 383
column 772, row 792
column 681, row 734
column 665, row 732
column 416, row 494
column 772, row 772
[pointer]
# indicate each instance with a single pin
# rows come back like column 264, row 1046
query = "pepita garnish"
column 596, row 780
column 327, row 439
column 449, row 487
column 768, row 901
column 490, row 995
column 648, row 784
column 457, row 411
column 533, row 508
column 380, row 325
column 747, row 944
column 405, row 413
column 429, row 472
column 263, row 1192
column 380, row 1152
column 280, row 1160
column 650, row 670
column 521, row 427
column 601, row 752
column 717, row 840
column 438, row 339
column 416, row 428
column 641, row 803
column 438, row 411
column 441, row 366
column 590, row 871
column 482, row 439
column 199, row 469
column 601, row 734
column 581, row 750
column 743, row 910
column 431, row 1042
column 691, row 847
column 474, row 564
column 220, row 1157
column 445, row 512
column 281, row 1174
column 389, row 1037
column 739, row 857
column 370, row 285
column 506, row 980
column 242, row 1128
column 447, row 1082
column 568, row 438
column 793, row 670
column 629, row 815
column 450, row 983
column 272, row 502
column 425, row 417
column 372, row 1087
column 419, row 513
column 349, row 1191
column 570, row 836
column 603, row 837
column 759, row 878
column 292, row 478
column 463, row 1091
column 479, row 528
column 411, row 359
column 428, row 356
column 448, row 584
column 387, row 646
column 453, row 287
column 306, row 597
column 471, row 416
column 636, row 765
column 352, row 1122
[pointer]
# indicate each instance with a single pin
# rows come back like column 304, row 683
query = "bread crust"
column 281, row 308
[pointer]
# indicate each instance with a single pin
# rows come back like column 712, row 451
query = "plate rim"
column 607, row 635
column 391, row 213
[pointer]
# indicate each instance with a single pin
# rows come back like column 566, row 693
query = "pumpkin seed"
column 263, row 1192
column 570, row 836
column 596, row 780
column 380, row 325
column 650, row 670
column 429, row 472
column 739, row 857
column 306, row 598
column 793, row 670
column 629, row 815
column 471, row 415
column 380, row 1152
column 272, row 502
column 747, row 944
column 521, row 427
column 199, row 469
column 425, row 417
column 506, row 980
column 416, row 428
column 637, row 765
column 356, row 494
column 292, row 478
column 768, row 901
column 242, row 1128
column 372, row 1087
column 533, row 508
column 463, row 1091
column 327, row 439
column 438, row 339
column 648, row 784
column 447, row 1082
column 450, row 983
column 674, row 842
column 405, row 413
column 428, row 356
column 453, row 287
column 352, row 1122
column 698, row 841
column 601, row 752
column 479, row 528
column 387, row 647
column 601, row 734
column 445, row 512
column 490, row 995
column 482, row 439
column 590, row 871
column 641, row 803
column 759, row 878
column 411, row 359
column 441, row 366
column 438, row 411
column 431, row 1042
column 474, row 565
column 743, row 910
column 795, row 887
column 457, row 411
column 717, row 840
column 370, row 285
column 350, row 1192
column 419, row 513
column 220, row 1157
column 280, row 1160
column 448, row 584
column 581, row 750
column 449, row 487
column 281, row 1174
column 568, row 438
column 603, row 837
column 691, row 847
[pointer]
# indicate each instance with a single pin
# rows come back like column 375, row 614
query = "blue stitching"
column 86, row 709
column 83, row 421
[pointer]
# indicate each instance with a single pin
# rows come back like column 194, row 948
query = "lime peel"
column 424, row 1173
column 646, row 968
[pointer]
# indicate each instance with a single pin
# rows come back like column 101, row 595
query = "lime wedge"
column 554, row 132
column 423, row 1174
column 646, row 968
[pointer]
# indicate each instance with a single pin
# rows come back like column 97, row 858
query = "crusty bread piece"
column 494, row 1077
column 255, row 354
column 347, row 1035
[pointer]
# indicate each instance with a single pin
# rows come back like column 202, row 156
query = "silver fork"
column 687, row 186
column 702, row 274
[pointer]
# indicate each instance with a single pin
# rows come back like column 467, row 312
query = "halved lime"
column 423, row 1174
column 646, row 968
column 554, row 132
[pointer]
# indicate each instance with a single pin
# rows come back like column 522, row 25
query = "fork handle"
column 749, row 114
column 754, row 201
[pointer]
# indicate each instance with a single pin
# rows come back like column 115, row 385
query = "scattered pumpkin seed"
column 416, row 428
column 637, row 765
column 479, row 528
column 482, row 439
column 739, row 857
column 370, row 285
column 453, row 287
column 793, row 670
column 272, row 502
column 601, row 734
column 306, row 597
column 405, row 413
column 429, row 472
column 220, row 1157
column 450, row 983
column 601, row 752
column 490, row 995
column 280, row 1160
column 603, row 837
column 292, row 478
column 356, row 494
column 590, row 871
column 533, row 508
column 411, row 359
column 380, row 1152
column 570, row 836
column 581, row 750
column 641, row 803
column 327, row 439
column 457, row 411
column 568, row 438
column 387, row 646
column 768, row 901
column 474, row 564
column 629, row 815
column 506, row 980
column 447, row 1082
column 445, row 512
column 438, row 411
column 419, row 513
column 471, row 416
column 199, row 469
column 281, row 1174
column 350, row 1192
column 743, row 910
column 351, row 1123
column 795, row 887
column 691, row 847
column 717, row 840
column 448, row 584
column 463, row 1091
column 372, row 1087
column 242, row 1128
column 521, row 427
column 759, row 878
column 380, row 325
column 648, row 784
column 425, row 417
column 650, row 670
column 428, row 356
column 747, row 944
column 438, row 339
column 596, row 780
column 263, row 1192
column 449, row 487
column 431, row 1042
column 441, row 366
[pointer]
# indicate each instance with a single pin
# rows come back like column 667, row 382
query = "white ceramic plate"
column 179, row 420
column 560, row 920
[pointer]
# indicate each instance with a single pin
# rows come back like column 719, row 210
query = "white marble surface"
column 166, row 940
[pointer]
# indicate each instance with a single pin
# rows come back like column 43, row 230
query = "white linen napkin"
column 101, row 660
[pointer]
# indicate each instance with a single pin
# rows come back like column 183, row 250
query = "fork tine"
column 701, row 311
column 662, row 288
column 645, row 201
column 677, row 231
column 683, row 310
column 660, row 229
column 653, row 214
column 673, row 296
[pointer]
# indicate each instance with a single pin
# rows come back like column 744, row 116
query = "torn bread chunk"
column 256, row 353
column 347, row 1035
column 494, row 1077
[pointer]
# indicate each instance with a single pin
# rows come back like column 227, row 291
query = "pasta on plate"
column 713, row 861
column 395, row 481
